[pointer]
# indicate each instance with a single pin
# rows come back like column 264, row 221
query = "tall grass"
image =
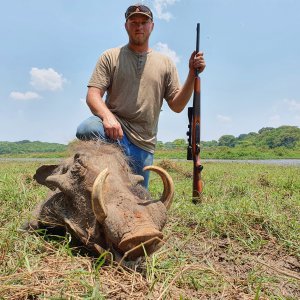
column 244, row 201
column 239, row 152
column 241, row 242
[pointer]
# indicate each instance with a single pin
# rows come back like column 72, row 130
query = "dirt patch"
column 172, row 166
column 236, row 272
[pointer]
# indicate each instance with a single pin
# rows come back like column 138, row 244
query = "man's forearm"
column 196, row 62
column 95, row 102
column 178, row 103
column 97, row 106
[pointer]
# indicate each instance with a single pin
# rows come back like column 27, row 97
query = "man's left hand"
column 197, row 62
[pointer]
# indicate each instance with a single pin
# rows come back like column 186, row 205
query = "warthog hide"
column 98, row 200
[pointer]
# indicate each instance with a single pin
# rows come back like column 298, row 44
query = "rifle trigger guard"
column 199, row 168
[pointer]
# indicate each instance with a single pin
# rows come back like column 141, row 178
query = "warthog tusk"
column 168, row 193
column 98, row 204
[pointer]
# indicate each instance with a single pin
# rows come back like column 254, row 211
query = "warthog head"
column 97, row 199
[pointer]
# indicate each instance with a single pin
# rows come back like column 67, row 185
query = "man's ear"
column 152, row 26
column 125, row 25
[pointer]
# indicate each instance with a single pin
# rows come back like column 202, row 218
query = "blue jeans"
column 92, row 128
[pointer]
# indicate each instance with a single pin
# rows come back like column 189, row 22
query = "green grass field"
column 241, row 242
column 232, row 153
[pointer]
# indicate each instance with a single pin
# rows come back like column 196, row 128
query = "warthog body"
column 97, row 199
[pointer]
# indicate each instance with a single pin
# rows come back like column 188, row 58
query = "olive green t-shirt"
column 136, row 85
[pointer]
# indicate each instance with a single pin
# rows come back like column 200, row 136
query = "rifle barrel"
column 197, row 43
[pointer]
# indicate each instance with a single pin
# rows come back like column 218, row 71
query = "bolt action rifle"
column 193, row 150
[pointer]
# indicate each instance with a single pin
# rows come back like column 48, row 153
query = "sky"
column 49, row 49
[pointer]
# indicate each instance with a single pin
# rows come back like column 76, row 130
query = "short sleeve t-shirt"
column 136, row 84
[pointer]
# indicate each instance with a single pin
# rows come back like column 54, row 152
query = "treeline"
column 267, row 138
column 268, row 142
column 26, row 146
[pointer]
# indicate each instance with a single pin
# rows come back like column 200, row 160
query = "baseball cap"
column 138, row 9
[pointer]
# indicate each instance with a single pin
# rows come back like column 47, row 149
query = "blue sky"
column 49, row 49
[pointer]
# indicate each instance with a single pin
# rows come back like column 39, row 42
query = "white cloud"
column 275, row 118
column 164, row 49
column 224, row 119
column 46, row 79
column 275, row 121
column 292, row 105
column 24, row 96
column 285, row 112
column 160, row 6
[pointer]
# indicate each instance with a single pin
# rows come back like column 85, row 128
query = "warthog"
column 98, row 200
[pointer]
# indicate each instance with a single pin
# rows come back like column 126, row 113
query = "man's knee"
column 91, row 128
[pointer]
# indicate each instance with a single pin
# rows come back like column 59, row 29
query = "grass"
column 238, row 152
column 241, row 242
column 216, row 152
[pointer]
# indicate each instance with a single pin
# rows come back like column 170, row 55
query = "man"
column 136, row 79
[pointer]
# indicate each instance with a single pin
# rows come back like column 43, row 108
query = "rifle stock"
column 194, row 115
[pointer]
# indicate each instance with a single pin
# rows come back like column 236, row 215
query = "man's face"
column 139, row 28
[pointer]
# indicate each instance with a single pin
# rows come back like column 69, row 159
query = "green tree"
column 179, row 143
column 242, row 136
column 159, row 145
column 227, row 140
column 265, row 129
column 212, row 143
column 283, row 136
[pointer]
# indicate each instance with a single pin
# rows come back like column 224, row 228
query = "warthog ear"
column 42, row 173
column 62, row 182
column 135, row 179
column 168, row 193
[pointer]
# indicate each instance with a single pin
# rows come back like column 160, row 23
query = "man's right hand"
column 112, row 127
column 97, row 106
